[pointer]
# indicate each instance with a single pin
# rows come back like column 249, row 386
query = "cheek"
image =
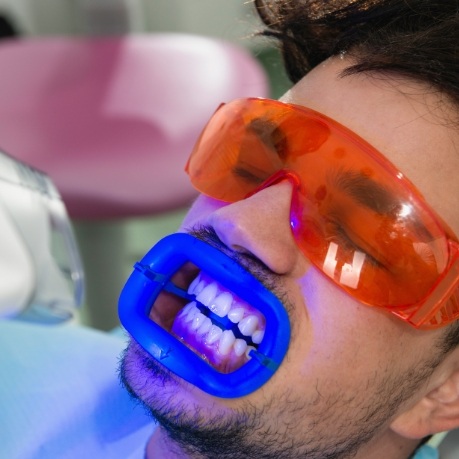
column 337, row 333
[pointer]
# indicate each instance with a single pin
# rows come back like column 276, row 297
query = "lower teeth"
column 197, row 330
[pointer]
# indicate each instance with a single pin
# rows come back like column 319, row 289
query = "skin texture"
column 356, row 381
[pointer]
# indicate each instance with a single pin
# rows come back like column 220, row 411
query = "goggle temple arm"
column 440, row 295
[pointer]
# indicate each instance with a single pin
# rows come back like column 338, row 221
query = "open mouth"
column 210, row 320
column 205, row 317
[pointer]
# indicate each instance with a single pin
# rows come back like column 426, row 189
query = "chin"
column 155, row 386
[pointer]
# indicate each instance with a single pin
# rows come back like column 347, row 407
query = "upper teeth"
column 235, row 315
column 219, row 305
column 208, row 294
column 223, row 304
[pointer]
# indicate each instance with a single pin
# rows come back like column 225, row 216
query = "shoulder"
column 59, row 392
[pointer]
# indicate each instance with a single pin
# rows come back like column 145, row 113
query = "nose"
column 260, row 225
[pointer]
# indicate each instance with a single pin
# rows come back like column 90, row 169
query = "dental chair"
column 112, row 121
column 59, row 393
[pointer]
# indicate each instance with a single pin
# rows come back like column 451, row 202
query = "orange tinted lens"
column 355, row 216
column 245, row 143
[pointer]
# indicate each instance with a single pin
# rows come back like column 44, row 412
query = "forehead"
column 404, row 120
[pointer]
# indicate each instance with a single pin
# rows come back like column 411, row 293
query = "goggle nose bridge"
column 277, row 177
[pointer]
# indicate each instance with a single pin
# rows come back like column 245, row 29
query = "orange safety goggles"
column 353, row 214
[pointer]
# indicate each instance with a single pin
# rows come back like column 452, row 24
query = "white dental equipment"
column 41, row 276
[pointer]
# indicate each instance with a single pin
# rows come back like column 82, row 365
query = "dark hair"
column 418, row 39
column 414, row 38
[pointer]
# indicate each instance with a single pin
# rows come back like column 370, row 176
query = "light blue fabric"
column 427, row 452
column 60, row 397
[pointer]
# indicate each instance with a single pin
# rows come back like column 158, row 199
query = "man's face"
column 350, row 369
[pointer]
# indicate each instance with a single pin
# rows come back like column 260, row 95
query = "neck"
column 389, row 445
column 160, row 447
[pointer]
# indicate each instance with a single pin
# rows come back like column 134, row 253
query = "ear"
column 437, row 411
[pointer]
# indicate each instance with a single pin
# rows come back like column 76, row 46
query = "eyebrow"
column 270, row 135
column 374, row 196
column 366, row 191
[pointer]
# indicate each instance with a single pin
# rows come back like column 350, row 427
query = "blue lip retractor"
column 153, row 274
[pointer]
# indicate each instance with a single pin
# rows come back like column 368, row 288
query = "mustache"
column 247, row 260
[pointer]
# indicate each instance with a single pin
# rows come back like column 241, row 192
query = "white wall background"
column 232, row 20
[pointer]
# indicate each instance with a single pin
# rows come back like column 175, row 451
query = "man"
column 364, row 376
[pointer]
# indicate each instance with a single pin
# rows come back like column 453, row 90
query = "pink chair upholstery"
column 112, row 121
